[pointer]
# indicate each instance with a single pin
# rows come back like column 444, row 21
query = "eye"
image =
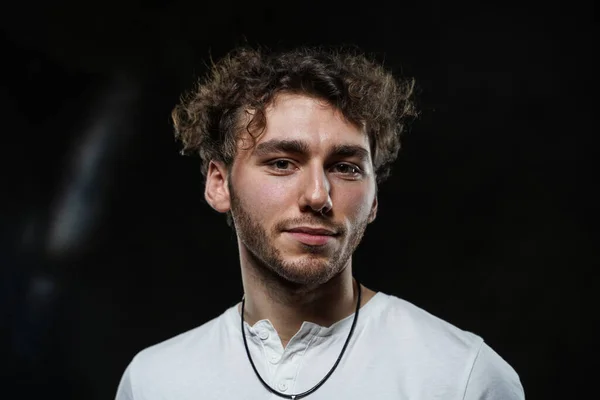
column 347, row 169
column 283, row 165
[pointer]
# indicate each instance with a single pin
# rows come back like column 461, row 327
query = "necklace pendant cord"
column 318, row 385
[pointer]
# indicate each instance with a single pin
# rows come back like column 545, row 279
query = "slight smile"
column 312, row 236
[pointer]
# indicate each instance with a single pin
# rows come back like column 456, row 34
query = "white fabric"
column 398, row 352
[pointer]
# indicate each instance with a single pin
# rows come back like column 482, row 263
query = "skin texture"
column 310, row 168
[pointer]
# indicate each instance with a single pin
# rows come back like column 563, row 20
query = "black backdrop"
column 108, row 246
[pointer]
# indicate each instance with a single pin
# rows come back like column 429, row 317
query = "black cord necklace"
column 318, row 385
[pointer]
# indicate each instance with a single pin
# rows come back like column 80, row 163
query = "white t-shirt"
column 398, row 352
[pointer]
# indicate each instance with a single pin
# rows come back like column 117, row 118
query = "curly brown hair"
column 209, row 118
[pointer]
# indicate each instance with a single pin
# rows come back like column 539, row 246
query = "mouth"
column 312, row 236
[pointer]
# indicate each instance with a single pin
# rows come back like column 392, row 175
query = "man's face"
column 301, row 198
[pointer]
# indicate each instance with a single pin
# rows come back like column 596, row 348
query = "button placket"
column 283, row 386
column 263, row 334
column 284, row 372
column 289, row 362
column 274, row 358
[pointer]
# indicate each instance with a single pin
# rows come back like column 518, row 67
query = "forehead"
column 310, row 120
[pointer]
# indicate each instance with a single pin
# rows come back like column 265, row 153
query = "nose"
column 315, row 193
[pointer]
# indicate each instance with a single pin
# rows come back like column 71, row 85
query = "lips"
column 312, row 236
column 313, row 231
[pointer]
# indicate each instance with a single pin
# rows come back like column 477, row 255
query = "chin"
column 306, row 270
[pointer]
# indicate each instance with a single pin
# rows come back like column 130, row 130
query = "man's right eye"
column 281, row 164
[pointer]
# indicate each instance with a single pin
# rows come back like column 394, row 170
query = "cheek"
column 263, row 197
column 355, row 204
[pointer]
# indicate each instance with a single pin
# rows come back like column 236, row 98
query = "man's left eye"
column 347, row 169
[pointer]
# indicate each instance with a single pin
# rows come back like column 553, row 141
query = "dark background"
column 107, row 245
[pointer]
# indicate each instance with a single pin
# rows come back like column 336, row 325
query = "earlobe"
column 373, row 213
column 216, row 191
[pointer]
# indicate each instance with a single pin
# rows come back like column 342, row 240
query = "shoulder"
column 159, row 365
column 447, row 350
column 200, row 339
column 493, row 377
column 413, row 323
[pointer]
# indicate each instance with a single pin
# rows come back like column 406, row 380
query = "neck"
column 287, row 305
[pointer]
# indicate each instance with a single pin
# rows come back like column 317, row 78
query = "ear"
column 373, row 212
column 216, row 191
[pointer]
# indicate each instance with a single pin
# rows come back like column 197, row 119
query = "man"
column 293, row 146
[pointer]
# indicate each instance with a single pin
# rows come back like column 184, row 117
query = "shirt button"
column 274, row 358
column 283, row 386
column 264, row 335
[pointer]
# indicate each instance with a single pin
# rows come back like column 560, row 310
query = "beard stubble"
column 314, row 267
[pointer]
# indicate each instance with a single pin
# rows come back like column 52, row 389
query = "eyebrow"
column 281, row 146
column 350, row 150
column 302, row 148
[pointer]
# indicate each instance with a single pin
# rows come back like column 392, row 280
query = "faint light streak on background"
column 80, row 203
